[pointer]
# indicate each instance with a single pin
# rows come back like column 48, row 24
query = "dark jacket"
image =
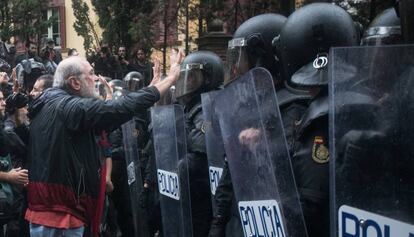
column 17, row 142
column 201, row 209
column 310, row 163
column 63, row 152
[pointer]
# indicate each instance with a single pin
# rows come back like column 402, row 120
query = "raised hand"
column 176, row 59
column 157, row 71
column 108, row 88
column 15, row 82
column 3, row 78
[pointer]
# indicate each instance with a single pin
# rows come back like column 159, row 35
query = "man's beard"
column 85, row 92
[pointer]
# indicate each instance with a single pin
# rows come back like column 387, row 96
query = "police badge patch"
column 320, row 152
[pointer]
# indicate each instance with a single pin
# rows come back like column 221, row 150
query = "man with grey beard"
column 64, row 157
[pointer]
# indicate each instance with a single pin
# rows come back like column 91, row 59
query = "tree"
column 5, row 21
column 84, row 26
column 168, row 10
column 364, row 11
column 126, row 22
column 235, row 12
column 24, row 19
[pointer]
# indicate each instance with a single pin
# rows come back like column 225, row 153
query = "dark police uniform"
column 310, row 163
column 201, row 209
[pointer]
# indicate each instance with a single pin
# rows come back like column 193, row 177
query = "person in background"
column 57, row 55
column 48, row 54
column 42, row 83
column 123, row 62
column 140, row 63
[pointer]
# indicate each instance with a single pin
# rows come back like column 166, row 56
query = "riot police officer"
column 201, row 72
column 134, row 81
column 373, row 157
column 304, row 45
column 126, row 198
column 252, row 47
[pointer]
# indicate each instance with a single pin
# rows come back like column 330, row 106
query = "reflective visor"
column 376, row 36
column 134, row 83
column 191, row 79
column 237, row 62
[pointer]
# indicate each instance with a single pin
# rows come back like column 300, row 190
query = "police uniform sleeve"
column 196, row 134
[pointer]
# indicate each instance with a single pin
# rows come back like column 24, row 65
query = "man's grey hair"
column 72, row 66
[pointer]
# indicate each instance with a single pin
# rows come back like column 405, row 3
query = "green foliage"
column 5, row 21
column 364, row 11
column 83, row 24
column 236, row 12
column 141, row 32
column 126, row 22
column 23, row 18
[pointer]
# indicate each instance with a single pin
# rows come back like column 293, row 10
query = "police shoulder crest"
column 320, row 152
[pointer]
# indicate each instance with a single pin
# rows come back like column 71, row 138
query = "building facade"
column 62, row 32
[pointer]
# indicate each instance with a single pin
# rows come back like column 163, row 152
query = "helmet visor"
column 377, row 36
column 237, row 60
column 191, row 79
column 134, row 83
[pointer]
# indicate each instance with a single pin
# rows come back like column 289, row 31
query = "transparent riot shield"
column 258, row 157
column 134, row 177
column 372, row 136
column 172, row 169
column 214, row 142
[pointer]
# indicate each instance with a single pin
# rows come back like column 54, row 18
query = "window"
column 54, row 31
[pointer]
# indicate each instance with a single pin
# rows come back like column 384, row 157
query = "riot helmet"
column 134, row 81
column 306, row 38
column 201, row 71
column 251, row 46
column 118, row 88
column 384, row 29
